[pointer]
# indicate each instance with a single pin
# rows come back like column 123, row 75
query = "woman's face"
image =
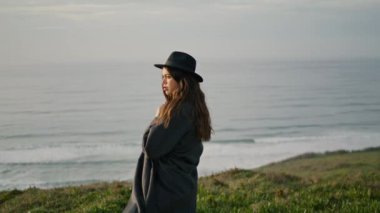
column 169, row 85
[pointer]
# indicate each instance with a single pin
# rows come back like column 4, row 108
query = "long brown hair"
column 188, row 91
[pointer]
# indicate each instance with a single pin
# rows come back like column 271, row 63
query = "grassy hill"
column 331, row 182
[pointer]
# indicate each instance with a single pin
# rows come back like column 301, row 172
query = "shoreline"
column 128, row 181
column 336, row 181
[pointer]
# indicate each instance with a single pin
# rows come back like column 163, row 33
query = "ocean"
column 78, row 123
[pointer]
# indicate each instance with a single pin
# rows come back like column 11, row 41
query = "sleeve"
column 161, row 140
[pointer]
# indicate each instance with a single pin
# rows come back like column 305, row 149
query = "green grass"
column 332, row 182
column 101, row 197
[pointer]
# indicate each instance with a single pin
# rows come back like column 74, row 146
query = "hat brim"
column 195, row 75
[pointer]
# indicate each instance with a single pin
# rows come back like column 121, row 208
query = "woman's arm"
column 161, row 140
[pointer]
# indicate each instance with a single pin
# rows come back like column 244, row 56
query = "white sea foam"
column 218, row 157
column 69, row 153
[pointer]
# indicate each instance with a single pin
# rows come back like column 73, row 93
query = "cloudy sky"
column 41, row 31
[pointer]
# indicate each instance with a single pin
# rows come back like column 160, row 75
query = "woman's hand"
column 158, row 111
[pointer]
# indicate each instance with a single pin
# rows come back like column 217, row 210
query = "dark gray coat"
column 166, row 175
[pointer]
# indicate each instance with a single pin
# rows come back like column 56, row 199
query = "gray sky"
column 35, row 32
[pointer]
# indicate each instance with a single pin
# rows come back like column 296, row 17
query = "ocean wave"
column 332, row 136
column 65, row 163
column 6, row 171
column 62, row 134
column 360, row 111
column 296, row 128
column 268, row 128
column 244, row 140
column 50, row 184
column 272, row 134
column 68, row 153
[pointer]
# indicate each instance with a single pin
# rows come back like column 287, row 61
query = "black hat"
column 182, row 62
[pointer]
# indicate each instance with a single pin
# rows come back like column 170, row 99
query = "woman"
column 166, row 175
